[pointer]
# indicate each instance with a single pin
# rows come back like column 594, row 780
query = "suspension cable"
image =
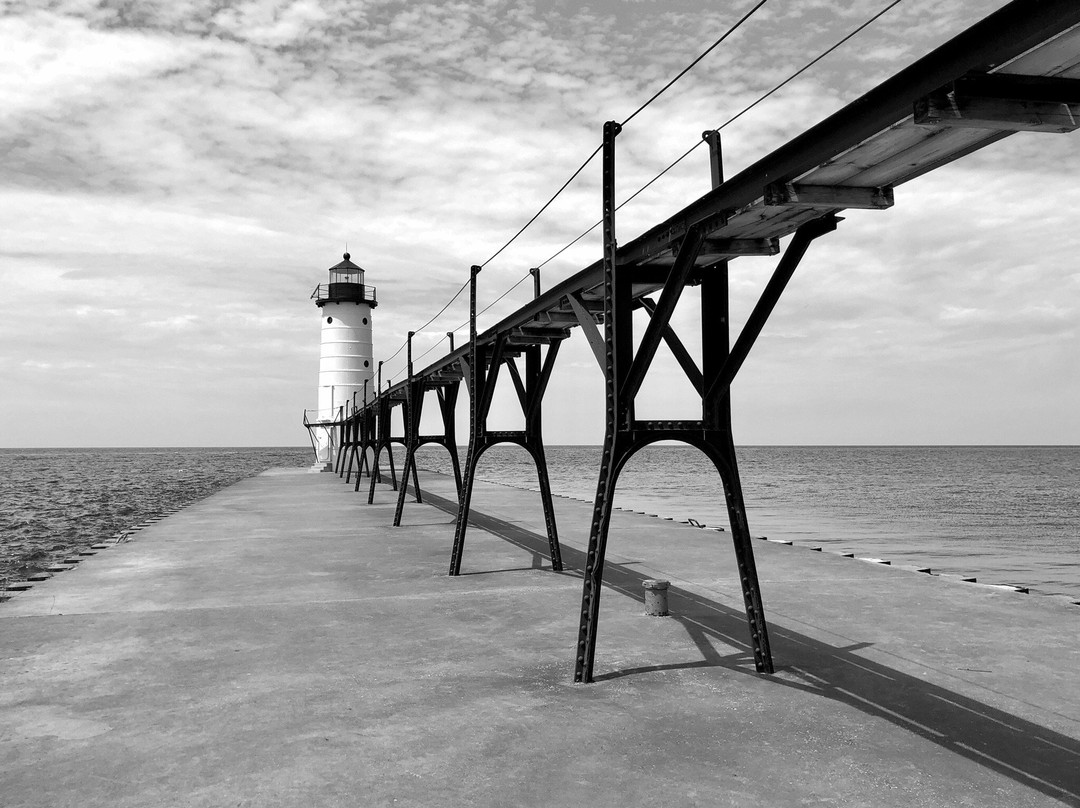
column 399, row 350
column 434, row 345
column 568, row 246
column 401, row 347
column 536, row 216
column 732, row 119
column 457, row 294
column 749, row 107
column 597, row 150
column 496, row 300
column 504, row 294
column 682, row 157
column 690, row 66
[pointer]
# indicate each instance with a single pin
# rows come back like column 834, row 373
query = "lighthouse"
column 345, row 360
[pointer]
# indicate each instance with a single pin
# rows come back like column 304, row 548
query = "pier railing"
column 324, row 417
column 343, row 292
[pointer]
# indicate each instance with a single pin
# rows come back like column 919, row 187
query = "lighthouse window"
column 365, row 321
column 366, row 363
column 329, row 319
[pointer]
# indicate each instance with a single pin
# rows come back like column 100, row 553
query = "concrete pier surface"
column 280, row 644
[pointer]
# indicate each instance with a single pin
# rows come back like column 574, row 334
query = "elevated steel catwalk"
column 869, row 146
column 1017, row 70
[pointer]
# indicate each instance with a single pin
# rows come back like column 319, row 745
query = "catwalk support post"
column 414, row 402
column 383, row 440
column 614, row 355
column 483, row 367
column 475, row 379
column 625, row 370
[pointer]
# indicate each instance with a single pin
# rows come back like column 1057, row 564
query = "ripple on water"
column 59, row 500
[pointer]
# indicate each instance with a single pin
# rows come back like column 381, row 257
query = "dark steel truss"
column 447, row 392
column 482, row 373
column 1017, row 70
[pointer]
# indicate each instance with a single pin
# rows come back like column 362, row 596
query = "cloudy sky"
column 178, row 176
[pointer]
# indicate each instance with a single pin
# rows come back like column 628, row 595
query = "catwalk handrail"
column 985, row 47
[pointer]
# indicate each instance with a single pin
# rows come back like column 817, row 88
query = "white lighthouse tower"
column 345, row 361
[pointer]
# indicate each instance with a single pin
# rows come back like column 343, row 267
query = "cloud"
column 179, row 176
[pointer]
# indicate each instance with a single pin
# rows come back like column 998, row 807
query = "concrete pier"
column 280, row 644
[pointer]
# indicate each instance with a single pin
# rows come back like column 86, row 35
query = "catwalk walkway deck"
column 280, row 644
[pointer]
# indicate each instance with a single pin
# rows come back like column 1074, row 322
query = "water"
column 55, row 501
column 1006, row 515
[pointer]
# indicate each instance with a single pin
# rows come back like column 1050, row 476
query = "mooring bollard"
column 656, row 597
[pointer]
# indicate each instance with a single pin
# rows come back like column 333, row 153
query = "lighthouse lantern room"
column 345, row 360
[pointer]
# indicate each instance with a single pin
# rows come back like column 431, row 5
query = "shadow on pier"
column 1030, row 754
